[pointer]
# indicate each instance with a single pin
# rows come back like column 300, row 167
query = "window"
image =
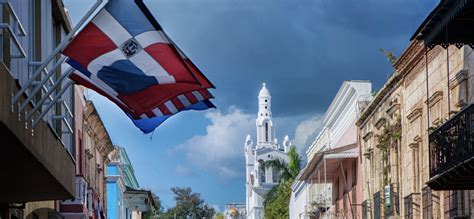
column 263, row 175
column 354, row 173
column 275, row 175
column 266, row 131
column 455, row 204
column 266, row 100
column 427, row 199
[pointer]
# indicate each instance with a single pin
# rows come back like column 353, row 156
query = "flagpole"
column 58, row 49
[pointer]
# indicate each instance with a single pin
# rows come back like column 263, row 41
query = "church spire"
column 264, row 102
column 265, row 129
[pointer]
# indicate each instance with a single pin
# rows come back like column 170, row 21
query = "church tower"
column 265, row 129
column 260, row 180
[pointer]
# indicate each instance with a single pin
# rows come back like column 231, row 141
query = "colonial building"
column 260, row 180
column 124, row 198
column 421, row 169
column 93, row 148
column 333, row 173
column 36, row 122
column 380, row 141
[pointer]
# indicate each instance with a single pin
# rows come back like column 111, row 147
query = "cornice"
column 461, row 76
column 434, row 98
column 385, row 92
column 414, row 114
column 368, row 136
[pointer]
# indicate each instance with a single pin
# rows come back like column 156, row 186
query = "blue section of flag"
column 124, row 77
column 128, row 14
column 150, row 124
column 79, row 67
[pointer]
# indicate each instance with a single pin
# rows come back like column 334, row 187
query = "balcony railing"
column 452, row 143
column 81, row 193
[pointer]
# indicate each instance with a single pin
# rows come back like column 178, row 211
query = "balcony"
column 452, row 153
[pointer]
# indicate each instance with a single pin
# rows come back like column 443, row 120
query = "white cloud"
column 221, row 149
column 182, row 170
column 306, row 132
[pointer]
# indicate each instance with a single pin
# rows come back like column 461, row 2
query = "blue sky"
column 302, row 49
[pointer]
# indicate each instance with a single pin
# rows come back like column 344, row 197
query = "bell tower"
column 265, row 129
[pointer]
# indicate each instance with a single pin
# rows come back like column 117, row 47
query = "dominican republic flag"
column 125, row 55
column 196, row 100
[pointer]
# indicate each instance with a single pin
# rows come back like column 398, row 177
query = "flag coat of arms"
column 124, row 55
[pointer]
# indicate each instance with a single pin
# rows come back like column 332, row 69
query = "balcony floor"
column 459, row 177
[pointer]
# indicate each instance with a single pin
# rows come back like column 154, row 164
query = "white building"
column 334, row 149
column 234, row 211
column 260, row 181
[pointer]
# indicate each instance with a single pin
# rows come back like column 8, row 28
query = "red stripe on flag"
column 89, row 44
column 148, row 99
column 164, row 110
column 205, row 94
column 173, row 64
column 190, row 96
column 177, row 103
column 150, row 114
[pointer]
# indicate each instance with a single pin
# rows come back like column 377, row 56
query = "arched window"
column 275, row 175
column 262, row 172
column 266, row 131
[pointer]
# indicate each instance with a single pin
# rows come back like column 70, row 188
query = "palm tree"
column 278, row 198
column 289, row 170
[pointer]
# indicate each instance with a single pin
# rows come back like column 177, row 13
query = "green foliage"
column 386, row 140
column 219, row 216
column 189, row 203
column 277, row 201
column 390, row 56
column 159, row 207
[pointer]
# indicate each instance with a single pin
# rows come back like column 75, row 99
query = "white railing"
column 20, row 31
column 81, row 193
column 48, row 88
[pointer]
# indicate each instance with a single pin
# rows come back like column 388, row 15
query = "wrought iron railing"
column 452, row 142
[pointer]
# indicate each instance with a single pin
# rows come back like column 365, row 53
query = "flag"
column 123, row 56
column 196, row 100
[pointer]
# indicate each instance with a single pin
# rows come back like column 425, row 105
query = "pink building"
column 332, row 176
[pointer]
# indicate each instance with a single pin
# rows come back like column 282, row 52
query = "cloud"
column 182, row 170
column 220, row 150
column 306, row 132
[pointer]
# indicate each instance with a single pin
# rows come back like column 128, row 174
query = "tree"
column 157, row 200
column 219, row 216
column 276, row 204
column 189, row 203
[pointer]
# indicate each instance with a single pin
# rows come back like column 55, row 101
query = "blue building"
column 124, row 198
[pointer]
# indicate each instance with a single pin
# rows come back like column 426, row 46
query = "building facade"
column 36, row 121
column 124, row 198
column 380, row 142
column 93, row 148
column 333, row 173
column 407, row 173
column 259, row 180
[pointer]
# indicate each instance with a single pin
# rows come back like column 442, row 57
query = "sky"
column 302, row 49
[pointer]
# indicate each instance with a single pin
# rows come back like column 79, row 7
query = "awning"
column 450, row 23
column 315, row 171
column 139, row 200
